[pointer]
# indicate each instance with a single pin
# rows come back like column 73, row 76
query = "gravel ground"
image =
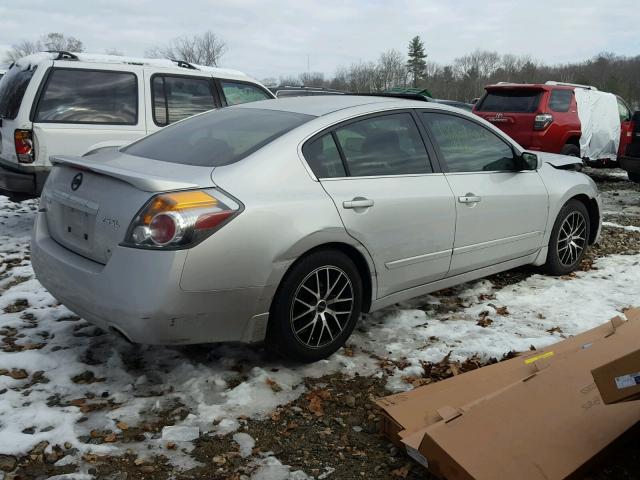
column 332, row 423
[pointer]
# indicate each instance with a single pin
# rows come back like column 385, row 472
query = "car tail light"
column 24, row 146
column 181, row 219
column 542, row 121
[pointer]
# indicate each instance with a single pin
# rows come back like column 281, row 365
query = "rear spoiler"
column 141, row 180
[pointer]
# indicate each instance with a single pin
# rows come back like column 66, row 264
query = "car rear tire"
column 316, row 307
column 569, row 239
column 634, row 177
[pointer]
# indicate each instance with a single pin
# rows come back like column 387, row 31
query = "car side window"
column 323, row 157
column 89, row 96
column 468, row 147
column 178, row 97
column 237, row 92
column 623, row 111
column 560, row 100
column 384, row 145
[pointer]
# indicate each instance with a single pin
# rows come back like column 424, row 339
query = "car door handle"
column 358, row 203
column 469, row 198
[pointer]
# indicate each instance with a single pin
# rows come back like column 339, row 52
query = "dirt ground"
column 333, row 423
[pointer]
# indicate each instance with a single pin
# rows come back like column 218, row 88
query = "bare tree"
column 203, row 49
column 50, row 41
column 113, row 51
column 392, row 70
column 57, row 41
column 312, row 79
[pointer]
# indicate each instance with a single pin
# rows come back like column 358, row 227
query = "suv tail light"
column 542, row 121
column 24, row 146
column 181, row 219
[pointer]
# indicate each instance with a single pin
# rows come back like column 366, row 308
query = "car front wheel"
column 569, row 239
column 316, row 307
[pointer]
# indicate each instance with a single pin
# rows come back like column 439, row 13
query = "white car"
column 55, row 103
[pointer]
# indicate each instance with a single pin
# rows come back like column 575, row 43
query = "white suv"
column 55, row 103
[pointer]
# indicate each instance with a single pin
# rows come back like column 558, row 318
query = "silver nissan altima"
column 283, row 220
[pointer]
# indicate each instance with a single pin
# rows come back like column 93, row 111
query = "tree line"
column 465, row 78
column 462, row 79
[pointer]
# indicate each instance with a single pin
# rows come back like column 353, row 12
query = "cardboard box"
column 405, row 413
column 547, row 425
column 619, row 380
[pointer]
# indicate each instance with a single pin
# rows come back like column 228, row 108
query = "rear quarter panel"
column 286, row 213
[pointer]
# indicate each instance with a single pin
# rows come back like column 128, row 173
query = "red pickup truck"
column 543, row 116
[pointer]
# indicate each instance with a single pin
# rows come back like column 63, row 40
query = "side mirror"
column 530, row 161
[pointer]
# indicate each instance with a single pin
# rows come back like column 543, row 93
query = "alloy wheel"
column 572, row 238
column 322, row 306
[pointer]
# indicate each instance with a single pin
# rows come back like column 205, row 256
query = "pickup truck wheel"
column 569, row 239
column 634, row 177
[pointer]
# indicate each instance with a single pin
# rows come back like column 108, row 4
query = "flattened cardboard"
column 545, row 427
column 407, row 412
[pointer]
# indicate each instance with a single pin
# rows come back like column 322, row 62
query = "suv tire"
column 571, row 150
column 569, row 239
column 634, row 177
column 316, row 307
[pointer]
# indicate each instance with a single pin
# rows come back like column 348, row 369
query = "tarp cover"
column 600, row 121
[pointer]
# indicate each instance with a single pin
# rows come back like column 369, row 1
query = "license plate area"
column 77, row 225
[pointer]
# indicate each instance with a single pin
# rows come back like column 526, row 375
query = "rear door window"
column 323, row 157
column 384, row 145
column 12, row 89
column 178, row 97
column 89, row 96
column 506, row 100
column 217, row 138
column 238, row 92
column 560, row 100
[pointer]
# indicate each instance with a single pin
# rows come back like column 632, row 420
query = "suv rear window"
column 12, row 89
column 217, row 138
column 516, row 101
column 89, row 96
column 178, row 97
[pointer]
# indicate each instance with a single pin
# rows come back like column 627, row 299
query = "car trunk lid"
column 512, row 110
column 90, row 202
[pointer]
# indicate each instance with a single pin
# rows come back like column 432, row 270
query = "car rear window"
column 12, row 88
column 217, row 138
column 516, row 101
column 560, row 100
column 89, row 96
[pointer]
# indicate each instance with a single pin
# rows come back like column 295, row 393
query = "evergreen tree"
column 416, row 63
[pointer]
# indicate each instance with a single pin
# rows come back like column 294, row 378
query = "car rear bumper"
column 137, row 294
column 630, row 164
column 27, row 180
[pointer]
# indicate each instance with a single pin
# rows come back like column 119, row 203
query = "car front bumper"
column 137, row 294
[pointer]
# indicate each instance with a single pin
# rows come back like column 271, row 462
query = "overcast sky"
column 272, row 39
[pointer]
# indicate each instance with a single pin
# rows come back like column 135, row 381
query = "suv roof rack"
column 184, row 64
column 406, row 96
column 63, row 55
column 567, row 84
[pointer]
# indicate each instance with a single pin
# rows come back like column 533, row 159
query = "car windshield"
column 12, row 88
column 516, row 101
column 217, row 138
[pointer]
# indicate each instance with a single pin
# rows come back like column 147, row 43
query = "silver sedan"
column 284, row 220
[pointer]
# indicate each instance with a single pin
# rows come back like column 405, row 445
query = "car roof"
column 326, row 104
